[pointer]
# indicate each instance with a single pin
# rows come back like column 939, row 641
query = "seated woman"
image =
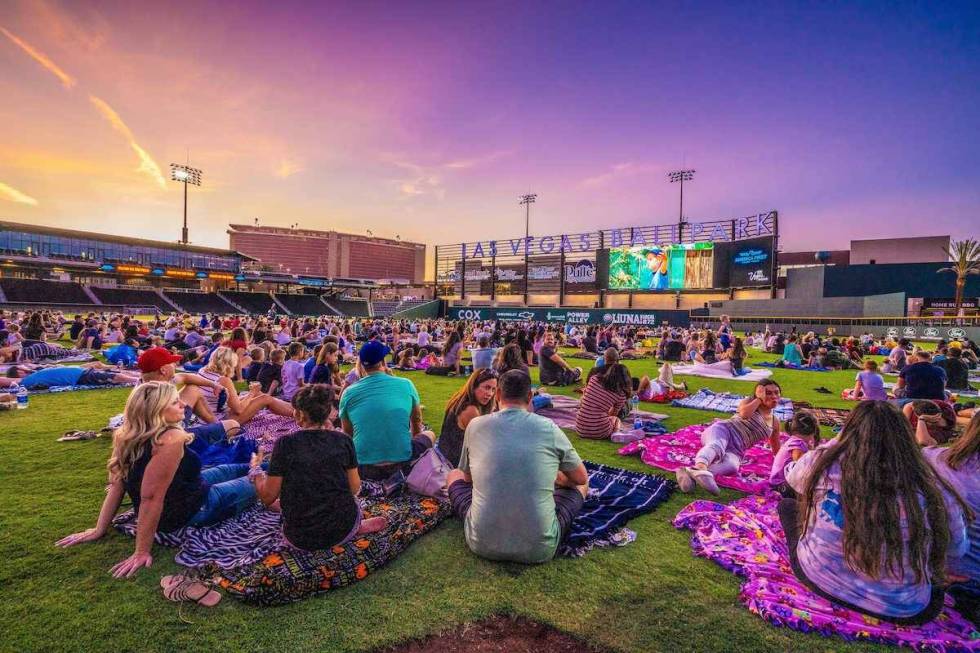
column 725, row 441
column 605, row 395
column 313, row 477
column 736, row 355
column 327, row 369
column 873, row 524
column 708, row 353
column 959, row 465
column 219, row 370
column 406, row 360
column 792, row 355
column 510, row 357
column 475, row 398
column 868, row 385
column 151, row 463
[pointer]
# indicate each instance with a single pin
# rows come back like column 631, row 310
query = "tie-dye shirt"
column 966, row 481
column 821, row 551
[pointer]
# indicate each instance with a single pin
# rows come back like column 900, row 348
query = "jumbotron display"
column 662, row 267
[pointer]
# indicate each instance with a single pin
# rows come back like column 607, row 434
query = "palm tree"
column 965, row 255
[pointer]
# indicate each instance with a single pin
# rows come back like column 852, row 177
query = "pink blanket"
column 746, row 538
column 678, row 449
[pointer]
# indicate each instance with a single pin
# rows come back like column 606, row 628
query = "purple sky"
column 427, row 120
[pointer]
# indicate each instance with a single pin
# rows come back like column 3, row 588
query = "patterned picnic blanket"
column 832, row 417
column 73, row 388
column 726, row 402
column 562, row 412
column 678, row 449
column 615, row 497
column 745, row 537
column 721, row 370
column 793, row 366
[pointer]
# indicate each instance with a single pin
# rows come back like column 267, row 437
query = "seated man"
column 520, row 482
column 383, row 413
column 553, row 368
column 921, row 379
column 957, row 371
column 158, row 364
column 68, row 375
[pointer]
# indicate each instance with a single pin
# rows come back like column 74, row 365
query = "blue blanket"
column 615, row 497
column 792, row 366
column 724, row 402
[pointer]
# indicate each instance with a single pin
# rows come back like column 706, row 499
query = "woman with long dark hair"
column 873, row 523
column 475, row 398
column 605, row 395
column 510, row 357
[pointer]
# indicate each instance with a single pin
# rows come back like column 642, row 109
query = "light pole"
column 187, row 175
column 526, row 200
column 681, row 176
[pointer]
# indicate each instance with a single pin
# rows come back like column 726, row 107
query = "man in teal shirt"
column 520, row 482
column 383, row 413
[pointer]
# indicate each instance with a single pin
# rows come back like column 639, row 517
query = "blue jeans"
column 230, row 493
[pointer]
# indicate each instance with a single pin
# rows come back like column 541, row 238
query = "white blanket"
column 721, row 370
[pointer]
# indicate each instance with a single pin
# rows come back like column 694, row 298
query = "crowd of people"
column 878, row 518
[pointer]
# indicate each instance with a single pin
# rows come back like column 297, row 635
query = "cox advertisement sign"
column 603, row 317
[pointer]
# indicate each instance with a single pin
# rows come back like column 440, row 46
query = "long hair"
column 966, row 447
column 466, row 395
column 510, row 357
column 142, row 426
column 617, row 380
column 223, row 361
column 883, row 476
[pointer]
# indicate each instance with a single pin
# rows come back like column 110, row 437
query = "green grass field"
column 650, row 596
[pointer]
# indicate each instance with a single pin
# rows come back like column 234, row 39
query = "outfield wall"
column 571, row 315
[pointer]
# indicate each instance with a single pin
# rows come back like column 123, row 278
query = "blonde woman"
column 220, row 369
column 150, row 461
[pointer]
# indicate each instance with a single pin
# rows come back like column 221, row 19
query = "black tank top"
column 450, row 440
column 184, row 497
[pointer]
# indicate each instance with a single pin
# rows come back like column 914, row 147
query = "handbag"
column 429, row 474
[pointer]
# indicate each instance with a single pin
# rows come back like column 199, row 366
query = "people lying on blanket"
column 604, row 398
column 95, row 373
column 221, row 366
column 647, row 389
column 124, row 354
column 520, row 482
column 552, row 368
column 933, row 422
column 510, row 357
column 152, row 463
column 877, row 523
column 476, row 397
column 312, row 478
column 804, row 435
column 724, row 442
column 383, row 413
column 959, row 465
column 921, row 379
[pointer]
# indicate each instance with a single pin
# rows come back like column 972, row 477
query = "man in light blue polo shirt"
column 383, row 413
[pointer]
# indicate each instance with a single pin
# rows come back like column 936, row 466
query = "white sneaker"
column 705, row 479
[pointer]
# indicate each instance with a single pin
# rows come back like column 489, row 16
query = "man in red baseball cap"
column 159, row 364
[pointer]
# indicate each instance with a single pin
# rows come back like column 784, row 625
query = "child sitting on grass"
column 804, row 435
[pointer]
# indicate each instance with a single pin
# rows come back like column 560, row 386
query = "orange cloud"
column 14, row 195
column 66, row 80
column 147, row 164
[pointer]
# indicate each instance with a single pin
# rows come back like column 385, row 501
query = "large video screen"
column 662, row 267
column 751, row 263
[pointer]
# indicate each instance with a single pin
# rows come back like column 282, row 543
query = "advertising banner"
column 601, row 316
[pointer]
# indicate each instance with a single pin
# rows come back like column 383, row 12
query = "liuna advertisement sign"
column 602, row 316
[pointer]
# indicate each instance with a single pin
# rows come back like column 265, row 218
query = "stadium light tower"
column 681, row 176
column 186, row 175
column 526, row 200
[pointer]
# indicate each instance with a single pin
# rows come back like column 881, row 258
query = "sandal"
column 684, row 479
column 71, row 436
column 184, row 588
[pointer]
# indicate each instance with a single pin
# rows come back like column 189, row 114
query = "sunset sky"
column 428, row 119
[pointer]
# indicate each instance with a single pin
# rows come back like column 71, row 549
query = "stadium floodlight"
column 185, row 175
column 680, row 176
column 526, row 201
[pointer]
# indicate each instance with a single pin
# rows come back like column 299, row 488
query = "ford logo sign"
column 931, row 332
column 957, row 332
column 909, row 331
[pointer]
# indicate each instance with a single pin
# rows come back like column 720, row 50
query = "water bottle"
column 635, row 406
column 22, row 398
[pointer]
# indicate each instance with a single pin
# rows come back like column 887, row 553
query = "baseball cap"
column 153, row 359
column 956, row 344
column 373, row 352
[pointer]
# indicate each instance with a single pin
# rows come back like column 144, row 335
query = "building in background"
column 330, row 254
column 919, row 249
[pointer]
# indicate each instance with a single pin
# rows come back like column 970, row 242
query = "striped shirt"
column 592, row 419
